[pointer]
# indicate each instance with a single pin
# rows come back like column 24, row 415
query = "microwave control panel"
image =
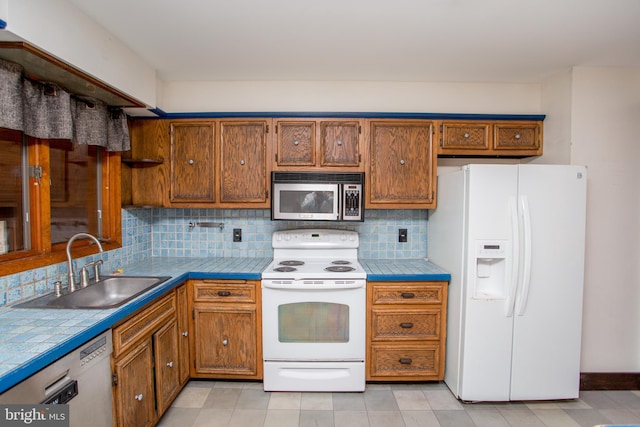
column 352, row 199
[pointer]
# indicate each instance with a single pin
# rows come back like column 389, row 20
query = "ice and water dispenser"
column 491, row 269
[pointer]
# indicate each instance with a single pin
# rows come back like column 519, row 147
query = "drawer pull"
column 406, row 325
column 405, row 361
column 224, row 293
column 408, row 295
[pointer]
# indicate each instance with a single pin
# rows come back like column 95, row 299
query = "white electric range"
column 313, row 312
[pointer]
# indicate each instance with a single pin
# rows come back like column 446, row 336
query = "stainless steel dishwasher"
column 81, row 379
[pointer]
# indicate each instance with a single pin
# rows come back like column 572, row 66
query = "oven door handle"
column 302, row 285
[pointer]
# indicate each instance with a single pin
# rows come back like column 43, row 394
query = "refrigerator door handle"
column 521, row 305
column 515, row 256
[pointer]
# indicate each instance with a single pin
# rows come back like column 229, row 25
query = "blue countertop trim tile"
column 61, row 331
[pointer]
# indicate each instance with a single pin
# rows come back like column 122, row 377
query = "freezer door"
column 487, row 324
column 548, row 312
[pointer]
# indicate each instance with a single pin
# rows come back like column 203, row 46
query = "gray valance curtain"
column 47, row 111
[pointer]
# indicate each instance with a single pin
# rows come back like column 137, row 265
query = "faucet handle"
column 96, row 269
column 84, row 277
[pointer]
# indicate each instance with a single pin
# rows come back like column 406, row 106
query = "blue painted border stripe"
column 408, row 277
column 348, row 115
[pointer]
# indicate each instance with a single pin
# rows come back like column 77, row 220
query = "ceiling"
column 519, row 41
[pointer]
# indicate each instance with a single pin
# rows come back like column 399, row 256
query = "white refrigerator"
column 513, row 239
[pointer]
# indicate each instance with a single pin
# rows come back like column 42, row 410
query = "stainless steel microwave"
column 317, row 196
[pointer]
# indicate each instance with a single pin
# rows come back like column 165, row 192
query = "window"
column 74, row 190
column 52, row 189
column 12, row 230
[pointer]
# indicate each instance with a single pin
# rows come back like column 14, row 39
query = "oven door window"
column 313, row 322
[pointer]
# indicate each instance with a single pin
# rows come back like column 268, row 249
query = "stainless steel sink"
column 109, row 292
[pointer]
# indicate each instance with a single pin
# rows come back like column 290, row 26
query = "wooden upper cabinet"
column 296, row 143
column 402, row 164
column 312, row 144
column 243, row 169
column 491, row 138
column 340, row 143
column 193, row 177
column 519, row 138
column 464, row 137
column 145, row 171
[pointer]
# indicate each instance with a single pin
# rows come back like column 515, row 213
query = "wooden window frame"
column 42, row 252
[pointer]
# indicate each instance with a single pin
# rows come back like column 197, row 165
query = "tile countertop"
column 31, row 339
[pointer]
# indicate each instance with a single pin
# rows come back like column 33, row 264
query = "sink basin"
column 109, row 292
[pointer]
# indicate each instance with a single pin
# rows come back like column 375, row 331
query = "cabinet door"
column 518, row 138
column 402, row 165
column 167, row 365
column 296, row 143
column 182, row 314
column 243, row 167
column 192, row 162
column 464, row 138
column 225, row 341
column 339, row 143
column 133, row 394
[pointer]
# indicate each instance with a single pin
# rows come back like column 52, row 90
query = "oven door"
column 307, row 321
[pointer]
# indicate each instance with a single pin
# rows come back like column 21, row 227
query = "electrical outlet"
column 237, row 234
column 402, row 235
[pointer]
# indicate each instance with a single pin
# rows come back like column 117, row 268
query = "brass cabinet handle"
column 405, row 361
column 224, row 293
column 408, row 295
column 406, row 325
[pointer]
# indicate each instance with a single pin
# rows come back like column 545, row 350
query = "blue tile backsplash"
column 175, row 232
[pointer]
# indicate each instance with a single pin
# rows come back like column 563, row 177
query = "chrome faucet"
column 72, row 285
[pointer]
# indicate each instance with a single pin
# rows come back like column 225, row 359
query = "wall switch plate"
column 237, row 234
column 402, row 235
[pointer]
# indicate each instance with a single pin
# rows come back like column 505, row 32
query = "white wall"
column 59, row 28
column 348, row 96
column 605, row 136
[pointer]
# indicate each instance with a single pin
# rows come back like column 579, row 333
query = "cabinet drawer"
column 466, row 136
column 405, row 324
column 224, row 291
column 403, row 293
column 392, row 360
column 142, row 324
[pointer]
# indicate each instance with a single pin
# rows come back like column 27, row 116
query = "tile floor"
column 245, row 404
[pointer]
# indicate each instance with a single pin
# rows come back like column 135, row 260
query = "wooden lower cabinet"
column 406, row 331
column 134, row 403
column 226, row 329
column 146, row 363
column 167, row 366
column 182, row 299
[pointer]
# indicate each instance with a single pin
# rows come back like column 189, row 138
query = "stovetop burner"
column 285, row 269
column 341, row 262
column 291, row 262
column 339, row 268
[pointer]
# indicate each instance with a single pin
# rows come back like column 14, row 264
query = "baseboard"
column 610, row 381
